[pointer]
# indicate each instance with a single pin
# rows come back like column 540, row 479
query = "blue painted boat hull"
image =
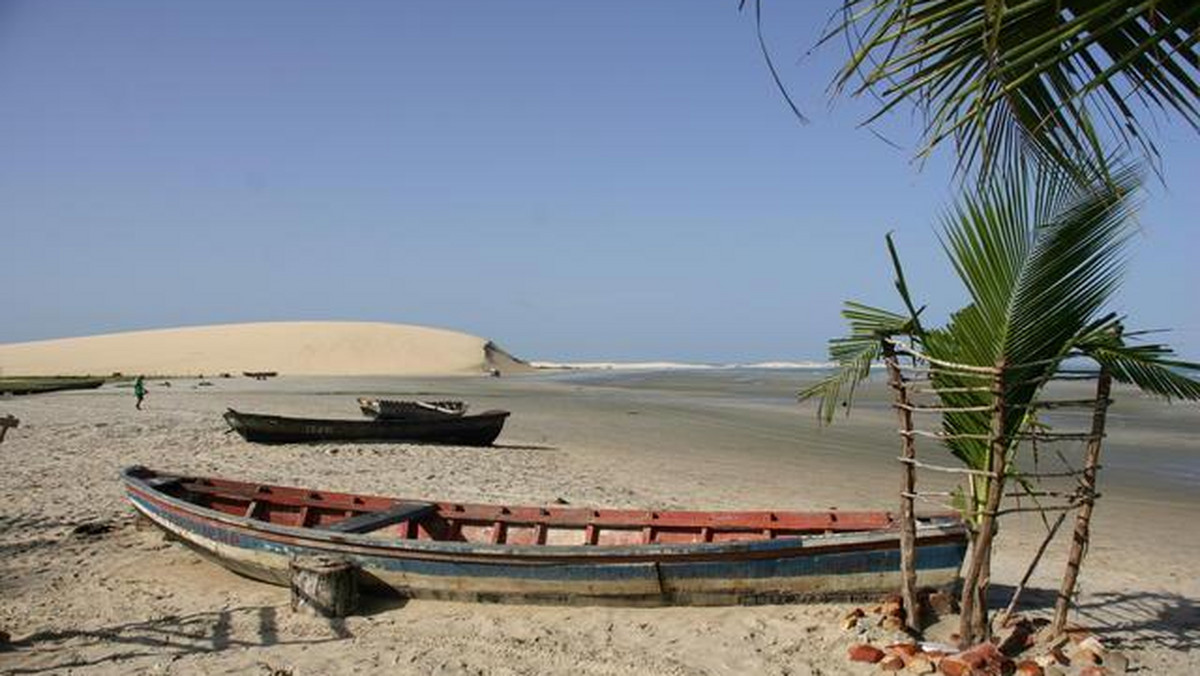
column 766, row 571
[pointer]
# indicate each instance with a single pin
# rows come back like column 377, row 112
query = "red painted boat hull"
column 552, row 554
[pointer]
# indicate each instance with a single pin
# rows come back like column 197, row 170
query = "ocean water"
column 1149, row 442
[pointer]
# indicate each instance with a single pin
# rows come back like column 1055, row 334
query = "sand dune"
column 290, row 348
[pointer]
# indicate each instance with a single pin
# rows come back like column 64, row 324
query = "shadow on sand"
column 169, row 637
column 1158, row 619
column 525, row 447
column 1142, row 619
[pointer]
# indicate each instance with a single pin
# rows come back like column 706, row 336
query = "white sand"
column 292, row 348
column 128, row 602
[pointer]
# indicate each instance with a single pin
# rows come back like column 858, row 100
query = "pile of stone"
column 1022, row 646
column 884, row 622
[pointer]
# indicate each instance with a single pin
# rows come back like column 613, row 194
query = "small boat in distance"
column 468, row 430
column 259, row 375
column 395, row 409
column 564, row 555
column 43, row 385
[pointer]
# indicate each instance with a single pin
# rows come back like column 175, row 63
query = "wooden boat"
column 394, row 409
column 469, row 430
column 565, row 555
column 43, row 385
column 258, row 375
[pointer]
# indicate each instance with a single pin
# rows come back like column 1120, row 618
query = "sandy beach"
column 126, row 601
column 629, row 241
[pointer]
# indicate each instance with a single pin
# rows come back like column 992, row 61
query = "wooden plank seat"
column 164, row 482
column 365, row 523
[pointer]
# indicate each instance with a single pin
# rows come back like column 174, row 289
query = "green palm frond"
column 1150, row 367
column 1012, row 79
column 1040, row 256
column 854, row 355
column 1038, row 271
column 961, row 390
column 901, row 284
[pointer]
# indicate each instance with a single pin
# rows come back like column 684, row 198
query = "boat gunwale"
column 375, row 422
column 544, row 554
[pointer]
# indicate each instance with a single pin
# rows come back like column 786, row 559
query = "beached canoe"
column 565, row 555
column 469, row 430
column 396, row 409
column 260, row 375
column 42, row 385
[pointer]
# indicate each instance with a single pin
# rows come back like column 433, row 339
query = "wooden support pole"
column 973, row 625
column 324, row 585
column 1037, row 557
column 1079, row 541
column 908, row 521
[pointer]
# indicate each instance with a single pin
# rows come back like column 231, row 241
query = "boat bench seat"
column 364, row 523
column 161, row 482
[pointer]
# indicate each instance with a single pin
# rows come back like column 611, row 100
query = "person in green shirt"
column 139, row 391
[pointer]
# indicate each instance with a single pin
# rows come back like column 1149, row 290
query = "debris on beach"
column 865, row 652
column 6, row 422
column 92, row 528
column 1022, row 646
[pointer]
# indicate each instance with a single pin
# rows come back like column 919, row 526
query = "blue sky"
column 603, row 180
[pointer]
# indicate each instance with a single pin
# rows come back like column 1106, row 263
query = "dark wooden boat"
column 469, row 430
column 42, row 385
column 396, row 409
column 546, row 554
column 258, row 375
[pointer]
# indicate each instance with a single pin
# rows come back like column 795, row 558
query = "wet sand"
column 125, row 601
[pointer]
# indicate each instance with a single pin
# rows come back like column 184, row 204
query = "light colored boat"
column 392, row 409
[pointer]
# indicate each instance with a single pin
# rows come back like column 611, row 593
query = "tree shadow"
column 1140, row 618
column 1032, row 598
column 24, row 546
column 32, row 521
column 171, row 636
column 1164, row 620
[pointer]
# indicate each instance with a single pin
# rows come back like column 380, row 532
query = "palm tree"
column 1041, row 256
column 1006, row 80
column 1035, row 95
